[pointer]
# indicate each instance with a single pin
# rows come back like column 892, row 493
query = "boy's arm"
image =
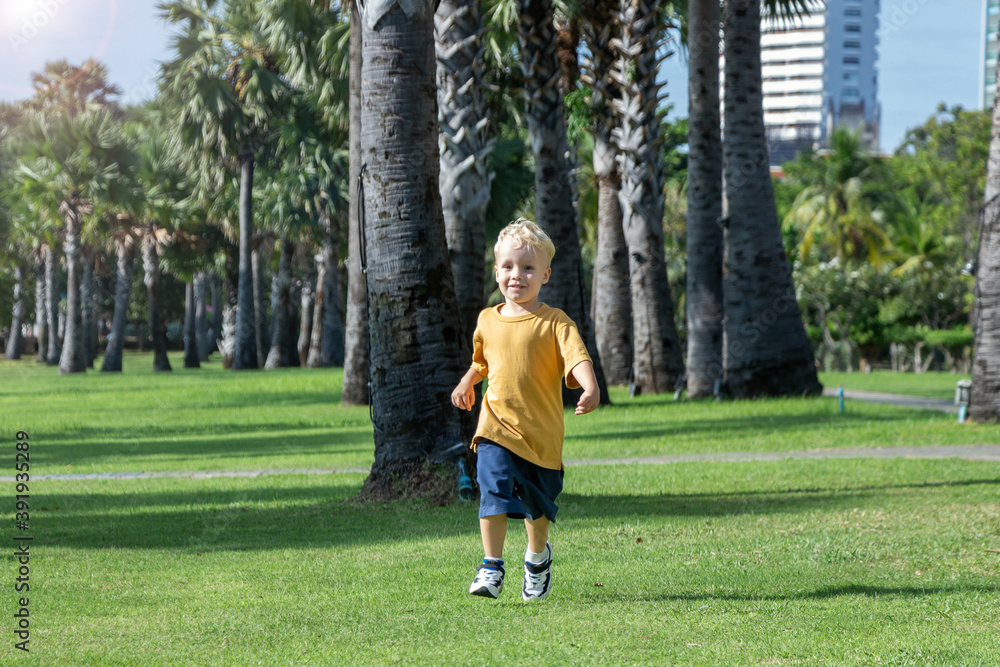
column 464, row 396
column 583, row 372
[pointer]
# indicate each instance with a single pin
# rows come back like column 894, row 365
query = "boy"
column 525, row 348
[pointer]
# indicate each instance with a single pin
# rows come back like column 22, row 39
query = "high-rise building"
column 991, row 23
column 820, row 72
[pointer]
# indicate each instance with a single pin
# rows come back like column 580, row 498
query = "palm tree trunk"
column 52, row 307
column 72, row 359
column 418, row 351
column 985, row 404
column 41, row 305
column 125, row 251
column 88, row 296
column 611, row 300
column 765, row 348
column 465, row 146
column 227, row 326
column 259, row 258
column 200, row 315
column 657, row 360
column 306, row 302
column 15, row 341
column 704, row 195
column 327, row 345
column 151, row 278
column 215, row 325
column 245, row 352
column 332, row 342
column 191, row 357
column 355, row 390
column 277, row 356
column 553, row 191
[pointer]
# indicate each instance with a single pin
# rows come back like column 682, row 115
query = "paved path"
column 894, row 399
column 968, row 452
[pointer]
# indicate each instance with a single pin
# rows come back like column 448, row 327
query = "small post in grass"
column 963, row 396
column 840, row 398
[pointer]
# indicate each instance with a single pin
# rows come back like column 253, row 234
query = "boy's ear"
column 545, row 276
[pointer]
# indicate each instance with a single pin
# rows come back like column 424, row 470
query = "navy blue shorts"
column 510, row 485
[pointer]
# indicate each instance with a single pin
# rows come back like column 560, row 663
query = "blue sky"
column 929, row 52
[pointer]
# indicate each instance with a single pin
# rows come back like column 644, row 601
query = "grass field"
column 838, row 562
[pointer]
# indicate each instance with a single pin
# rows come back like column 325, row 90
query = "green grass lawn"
column 925, row 385
column 841, row 562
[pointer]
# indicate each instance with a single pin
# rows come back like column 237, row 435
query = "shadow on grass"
column 325, row 515
column 242, row 444
column 823, row 593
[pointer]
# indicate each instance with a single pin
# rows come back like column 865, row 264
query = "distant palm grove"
column 318, row 185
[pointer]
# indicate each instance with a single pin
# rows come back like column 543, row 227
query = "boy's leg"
column 537, row 560
column 489, row 579
column 494, row 532
column 538, row 533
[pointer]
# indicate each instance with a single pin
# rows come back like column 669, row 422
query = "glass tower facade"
column 991, row 23
column 820, row 72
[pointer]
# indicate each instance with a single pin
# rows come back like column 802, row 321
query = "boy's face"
column 520, row 273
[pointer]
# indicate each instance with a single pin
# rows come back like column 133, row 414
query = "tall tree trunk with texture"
column 15, row 340
column 465, row 146
column 215, row 324
column 766, row 350
column 88, row 307
column 151, row 278
column 52, row 307
column 985, row 405
column 73, row 356
column 259, row 259
column 191, row 357
column 418, row 351
column 327, row 345
column 41, row 304
column 245, row 351
column 553, row 184
column 278, row 356
column 125, row 251
column 306, row 302
column 704, row 196
column 611, row 299
column 657, row 360
column 200, row 314
column 356, row 326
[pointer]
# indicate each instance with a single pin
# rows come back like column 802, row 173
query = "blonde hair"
column 523, row 232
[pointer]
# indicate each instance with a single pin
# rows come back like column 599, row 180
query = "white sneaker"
column 489, row 580
column 538, row 578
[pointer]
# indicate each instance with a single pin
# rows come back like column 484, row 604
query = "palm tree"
column 611, row 300
column 985, row 405
column 69, row 160
column 126, row 238
column 656, row 348
column 73, row 89
column 766, row 350
column 465, row 145
column 836, row 211
column 553, row 188
column 418, row 351
column 227, row 75
column 703, row 295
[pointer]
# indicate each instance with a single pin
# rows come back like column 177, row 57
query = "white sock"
column 536, row 559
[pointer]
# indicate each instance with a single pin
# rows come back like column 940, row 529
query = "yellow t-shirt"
column 525, row 358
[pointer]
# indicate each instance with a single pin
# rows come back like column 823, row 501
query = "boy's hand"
column 588, row 402
column 464, row 396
